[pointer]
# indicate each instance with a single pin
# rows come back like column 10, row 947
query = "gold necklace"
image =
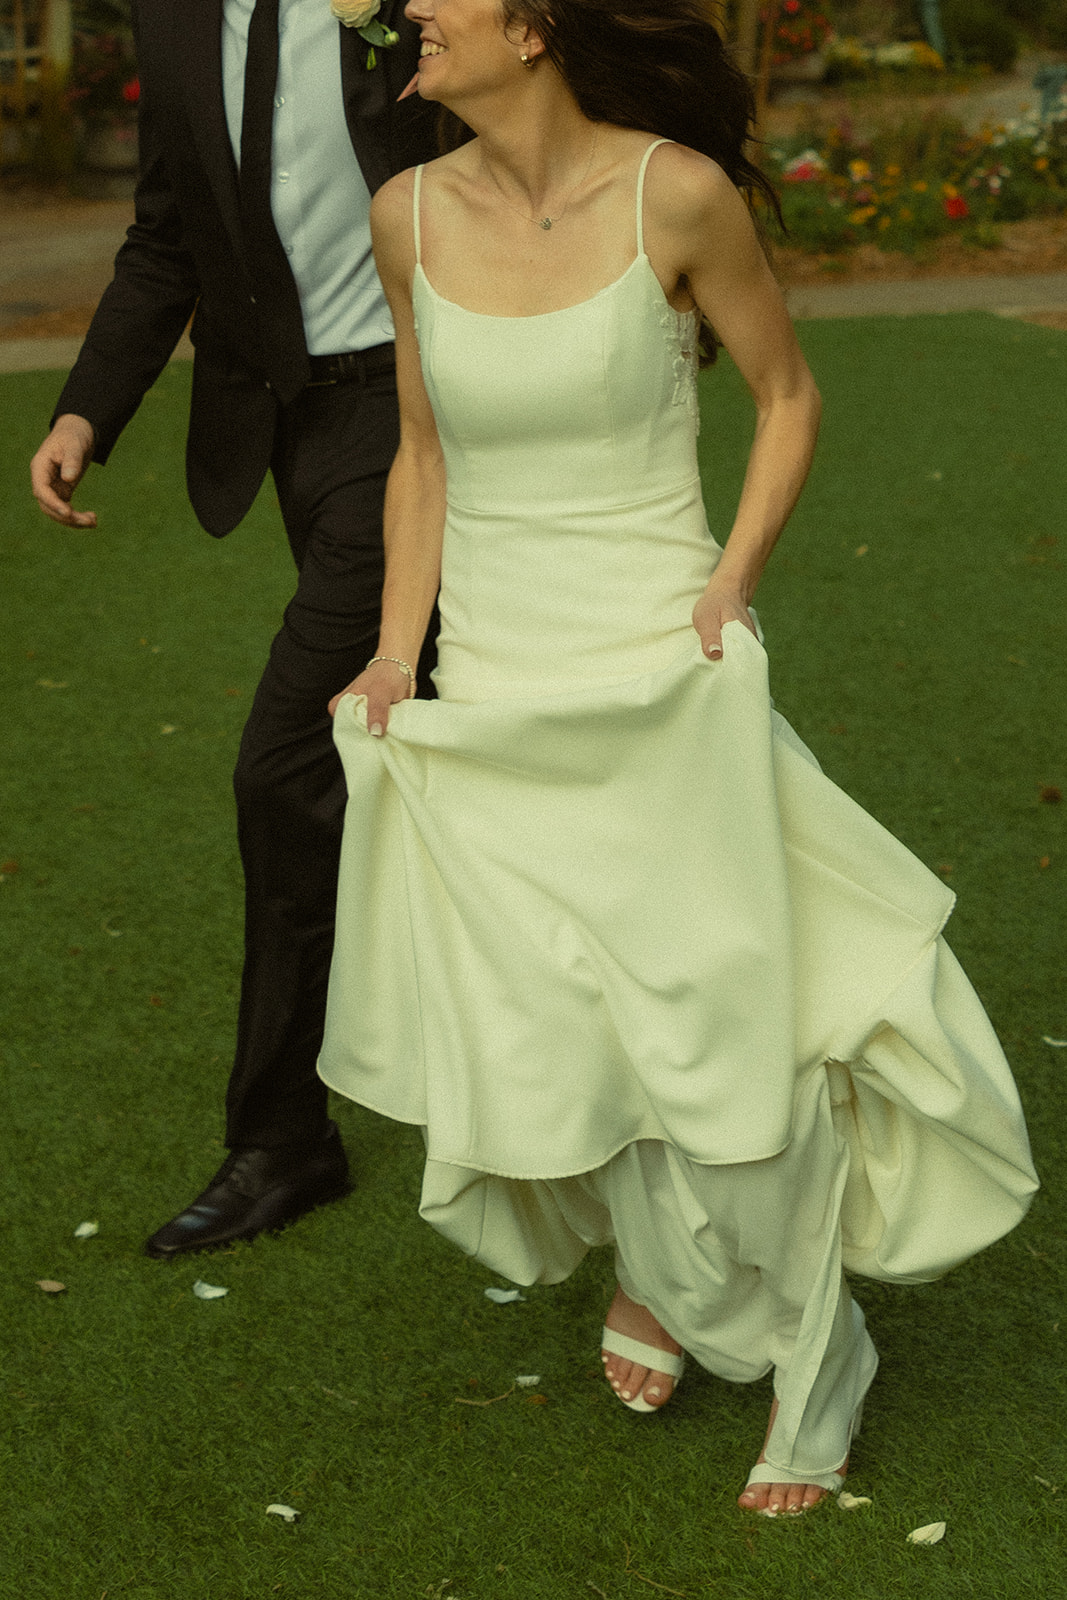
column 546, row 222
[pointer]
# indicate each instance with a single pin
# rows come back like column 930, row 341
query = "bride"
column 642, row 975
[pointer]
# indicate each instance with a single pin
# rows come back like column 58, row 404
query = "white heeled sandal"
column 645, row 1355
column 831, row 1482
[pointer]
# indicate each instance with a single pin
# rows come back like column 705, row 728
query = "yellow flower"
column 858, row 170
column 905, row 214
column 949, row 191
column 861, row 215
column 1041, row 163
column 920, row 186
column 892, row 172
column 883, row 223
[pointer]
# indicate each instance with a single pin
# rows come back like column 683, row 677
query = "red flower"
column 792, row 6
column 131, row 92
column 956, row 207
column 804, row 173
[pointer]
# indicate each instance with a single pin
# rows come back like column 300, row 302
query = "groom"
column 265, row 126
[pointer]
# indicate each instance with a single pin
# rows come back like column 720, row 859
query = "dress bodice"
column 569, row 440
column 604, row 410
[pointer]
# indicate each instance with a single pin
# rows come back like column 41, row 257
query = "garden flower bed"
column 908, row 185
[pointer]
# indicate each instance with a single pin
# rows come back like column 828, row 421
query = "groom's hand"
column 58, row 468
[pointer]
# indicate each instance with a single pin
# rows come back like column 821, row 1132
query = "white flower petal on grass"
column 208, row 1291
column 528, row 1380
column 1057, row 1044
column 933, row 1533
column 50, row 1286
column 503, row 1297
column 285, row 1512
column 87, row 1230
column 1046, row 1484
column 852, row 1502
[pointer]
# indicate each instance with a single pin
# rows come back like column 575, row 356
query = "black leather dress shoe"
column 255, row 1191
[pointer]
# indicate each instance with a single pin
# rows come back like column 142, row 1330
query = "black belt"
column 351, row 365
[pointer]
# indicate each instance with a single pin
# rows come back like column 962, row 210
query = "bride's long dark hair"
column 659, row 66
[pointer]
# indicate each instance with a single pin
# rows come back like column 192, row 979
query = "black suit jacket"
column 184, row 254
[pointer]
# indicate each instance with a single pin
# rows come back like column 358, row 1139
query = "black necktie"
column 277, row 303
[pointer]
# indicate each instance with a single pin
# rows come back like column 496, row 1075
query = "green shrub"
column 978, row 33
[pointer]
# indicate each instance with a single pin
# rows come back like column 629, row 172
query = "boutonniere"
column 360, row 14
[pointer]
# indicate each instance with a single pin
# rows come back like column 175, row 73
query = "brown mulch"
column 1036, row 245
column 67, row 322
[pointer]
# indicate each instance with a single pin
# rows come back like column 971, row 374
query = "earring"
column 528, row 61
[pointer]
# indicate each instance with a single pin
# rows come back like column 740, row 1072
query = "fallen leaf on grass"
column 208, row 1291
column 1057, row 1044
column 528, row 1380
column 933, row 1533
column 286, row 1513
column 503, row 1297
column 462, row 1401
column 1051, row 795
column 50, row 1286
column 852, row 1502
column 87, row 1230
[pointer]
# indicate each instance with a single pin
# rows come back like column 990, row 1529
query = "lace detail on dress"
column 681, row 330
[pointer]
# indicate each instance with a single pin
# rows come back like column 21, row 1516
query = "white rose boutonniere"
column 360, row 14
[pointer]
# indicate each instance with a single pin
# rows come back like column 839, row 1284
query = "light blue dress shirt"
column 319, row 197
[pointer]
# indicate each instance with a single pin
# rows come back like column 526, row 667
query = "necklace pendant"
column 546, row 223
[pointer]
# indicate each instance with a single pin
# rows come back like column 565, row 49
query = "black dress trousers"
column 333, row 452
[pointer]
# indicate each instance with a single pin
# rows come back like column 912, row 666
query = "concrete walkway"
column 908, row 297
column 1006, row 296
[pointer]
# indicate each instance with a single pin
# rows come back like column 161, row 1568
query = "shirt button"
column 288, row 249
column 283, row 177
column 280, row 100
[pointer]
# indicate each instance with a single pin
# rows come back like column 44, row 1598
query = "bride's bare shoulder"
column 684, row 188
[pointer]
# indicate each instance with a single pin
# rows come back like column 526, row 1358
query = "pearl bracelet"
column 396, row 662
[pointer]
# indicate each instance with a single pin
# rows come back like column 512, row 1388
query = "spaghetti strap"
column 641, row 192
column 415, row 207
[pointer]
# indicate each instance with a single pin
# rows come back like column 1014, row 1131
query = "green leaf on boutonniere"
column 376, row 34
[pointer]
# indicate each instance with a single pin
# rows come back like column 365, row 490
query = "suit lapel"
column 384, row 137
column 365, row 99
column 197, row 42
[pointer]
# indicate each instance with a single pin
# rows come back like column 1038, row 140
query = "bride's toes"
column 634, row 1345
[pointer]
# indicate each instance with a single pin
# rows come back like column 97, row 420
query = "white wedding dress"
column 605, row 931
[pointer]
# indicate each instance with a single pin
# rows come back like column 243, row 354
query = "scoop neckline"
column 538, row 316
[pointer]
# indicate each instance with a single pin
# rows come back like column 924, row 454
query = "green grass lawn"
column 915, row 616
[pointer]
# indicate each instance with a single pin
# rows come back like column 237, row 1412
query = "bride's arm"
column 415, row 491
column 705, row 236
